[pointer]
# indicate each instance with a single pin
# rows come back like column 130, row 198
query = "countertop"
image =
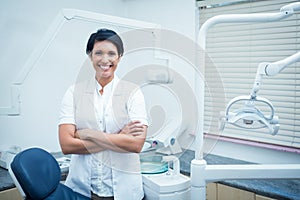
column 6, row 181
column 275, row 188
column 278, row 189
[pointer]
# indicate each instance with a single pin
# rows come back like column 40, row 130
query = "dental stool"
column 37, row 175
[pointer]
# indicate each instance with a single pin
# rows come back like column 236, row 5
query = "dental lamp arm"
column 292, row 6
column 285, row 11
column 272, row 69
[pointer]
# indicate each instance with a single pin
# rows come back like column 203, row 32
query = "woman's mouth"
column 105, row 67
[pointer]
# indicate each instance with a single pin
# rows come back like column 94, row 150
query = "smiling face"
column 105, row 59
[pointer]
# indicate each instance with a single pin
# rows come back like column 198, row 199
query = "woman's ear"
column 119, row 58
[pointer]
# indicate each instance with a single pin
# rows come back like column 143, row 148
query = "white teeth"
column 104, row 67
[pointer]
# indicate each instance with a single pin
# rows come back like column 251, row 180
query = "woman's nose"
column 105, row 58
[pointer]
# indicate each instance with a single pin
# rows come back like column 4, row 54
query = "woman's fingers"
column 134, row 128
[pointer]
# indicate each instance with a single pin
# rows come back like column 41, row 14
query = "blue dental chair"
column 37, row 175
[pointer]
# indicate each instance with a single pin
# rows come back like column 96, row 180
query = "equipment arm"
column 272, row 69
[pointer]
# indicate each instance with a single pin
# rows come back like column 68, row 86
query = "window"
column 236, row 50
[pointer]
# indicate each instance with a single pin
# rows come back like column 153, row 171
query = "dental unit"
column 246, row 117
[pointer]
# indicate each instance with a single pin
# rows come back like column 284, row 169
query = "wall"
column 178, row 17
column 175, row 15
column 23, row 24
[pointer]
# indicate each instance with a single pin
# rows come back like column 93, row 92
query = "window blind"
column 235, row 50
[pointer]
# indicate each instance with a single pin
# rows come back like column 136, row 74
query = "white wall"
column 176, row 15
column 23, row 24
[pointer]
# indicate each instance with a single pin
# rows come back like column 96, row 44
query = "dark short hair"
column 105, row 34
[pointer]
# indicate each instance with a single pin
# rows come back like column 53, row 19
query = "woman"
column 103, row 124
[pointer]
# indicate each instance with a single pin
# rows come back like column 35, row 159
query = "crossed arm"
column 131, row 138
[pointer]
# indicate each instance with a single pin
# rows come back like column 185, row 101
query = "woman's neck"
column 104, row 81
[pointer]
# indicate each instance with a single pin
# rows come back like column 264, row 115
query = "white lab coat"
column 127, row 179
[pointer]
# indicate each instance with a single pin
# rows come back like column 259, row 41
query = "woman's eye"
column 112, row 53
column 101, row 53
column 98, row 53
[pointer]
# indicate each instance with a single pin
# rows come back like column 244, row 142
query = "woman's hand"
column 129, row 139
column 134, row 128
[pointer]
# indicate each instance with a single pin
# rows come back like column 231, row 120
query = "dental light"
column 249, row 116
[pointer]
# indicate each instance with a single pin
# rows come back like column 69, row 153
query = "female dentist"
column 103, row 124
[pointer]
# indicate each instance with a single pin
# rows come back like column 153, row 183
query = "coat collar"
column 92, row 84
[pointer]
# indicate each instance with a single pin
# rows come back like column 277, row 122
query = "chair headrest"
column 37, row 172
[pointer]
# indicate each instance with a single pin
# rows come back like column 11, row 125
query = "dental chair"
column 37, row 175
